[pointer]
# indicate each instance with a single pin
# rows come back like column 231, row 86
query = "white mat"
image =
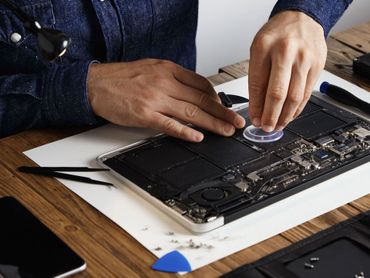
column 160, row 234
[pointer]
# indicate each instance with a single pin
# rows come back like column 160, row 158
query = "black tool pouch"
column 340, row 251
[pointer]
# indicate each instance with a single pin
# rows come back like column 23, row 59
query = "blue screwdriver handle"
column 344, row 96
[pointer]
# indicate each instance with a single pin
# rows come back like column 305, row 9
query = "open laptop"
column 209, row 184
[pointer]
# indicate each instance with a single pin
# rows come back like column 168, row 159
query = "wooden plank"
column 362, row 204
column 37, row 137
column 339, row 62
column 358, row 37
column 220, row 78
column 237, row 70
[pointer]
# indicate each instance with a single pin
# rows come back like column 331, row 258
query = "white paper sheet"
column 153, row 229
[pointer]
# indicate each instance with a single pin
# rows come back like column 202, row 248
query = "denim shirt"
column 36, row 93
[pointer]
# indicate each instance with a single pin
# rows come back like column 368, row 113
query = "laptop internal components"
column 231, row 177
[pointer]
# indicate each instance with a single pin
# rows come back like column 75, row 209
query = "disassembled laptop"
column 230, row 177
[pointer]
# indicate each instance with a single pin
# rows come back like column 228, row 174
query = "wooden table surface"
column 108, row 250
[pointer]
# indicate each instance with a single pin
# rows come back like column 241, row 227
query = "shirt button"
column 15, row 37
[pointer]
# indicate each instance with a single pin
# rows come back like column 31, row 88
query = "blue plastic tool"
column 172, row 262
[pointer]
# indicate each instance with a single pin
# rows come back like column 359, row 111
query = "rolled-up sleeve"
column 57, row 96
column 325, row 12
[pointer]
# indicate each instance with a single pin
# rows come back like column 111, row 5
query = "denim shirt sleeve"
column 34, row 93
column 57, row 96
column 325, row 12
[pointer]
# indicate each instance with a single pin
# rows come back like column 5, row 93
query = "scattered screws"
column 314, row 259
column 310, row 266
column 158, row 248
column 191, row 244
column 170, row 233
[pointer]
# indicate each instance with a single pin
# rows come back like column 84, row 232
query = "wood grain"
column 108, row 250
column 220, row 78
column 362, row 204
column 236, row 70
column 339, row 62
column 357, row 37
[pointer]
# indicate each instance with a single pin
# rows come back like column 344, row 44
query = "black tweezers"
column 54, row 172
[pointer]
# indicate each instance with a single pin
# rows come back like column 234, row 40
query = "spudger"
column 53, row 172
column 344, row 97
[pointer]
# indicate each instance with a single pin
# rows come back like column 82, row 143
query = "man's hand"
column 287, row 56
column 154, row 93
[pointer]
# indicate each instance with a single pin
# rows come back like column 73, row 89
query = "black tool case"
column 340, row 251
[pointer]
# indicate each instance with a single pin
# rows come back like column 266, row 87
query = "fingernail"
column 198, row 137
column 239, row 122
column 256, row 122
column 229, row 130
column 268, row 128
column 279, row 128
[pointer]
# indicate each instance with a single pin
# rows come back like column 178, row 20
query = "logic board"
column 231, row 177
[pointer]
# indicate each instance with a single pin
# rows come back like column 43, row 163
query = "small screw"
column 307, row 265
column 314, row 259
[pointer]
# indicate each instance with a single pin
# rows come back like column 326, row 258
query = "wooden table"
column 108, row 250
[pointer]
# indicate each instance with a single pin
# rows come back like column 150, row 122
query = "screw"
column 307, row 265
column 314, row 259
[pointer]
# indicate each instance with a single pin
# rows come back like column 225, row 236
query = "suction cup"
column 257, row 135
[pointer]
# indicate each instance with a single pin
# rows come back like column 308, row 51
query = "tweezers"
column 54, row 172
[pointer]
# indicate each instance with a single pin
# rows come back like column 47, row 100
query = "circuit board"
column 231, row 176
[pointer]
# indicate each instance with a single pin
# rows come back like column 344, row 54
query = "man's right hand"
column 154, row 93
